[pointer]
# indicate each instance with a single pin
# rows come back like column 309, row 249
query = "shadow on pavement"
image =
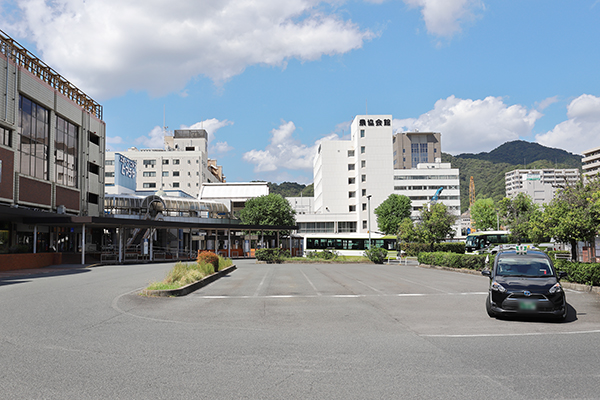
column 26, row 275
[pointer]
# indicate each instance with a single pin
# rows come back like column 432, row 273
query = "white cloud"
column 284, row 151
column 444, row 17
column 108, row 47
column 473, row 126
column 581, row 131
column 220, row 148
column 154, row 140
column 114, row 139
column 211, row 125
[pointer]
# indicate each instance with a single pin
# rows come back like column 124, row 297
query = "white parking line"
column 338, row 296
column 311, row 284
column 511, row 334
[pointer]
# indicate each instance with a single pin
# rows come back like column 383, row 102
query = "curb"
column 191, row 287
column 569, row 285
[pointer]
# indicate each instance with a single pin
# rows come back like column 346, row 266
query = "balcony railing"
column 25, row 59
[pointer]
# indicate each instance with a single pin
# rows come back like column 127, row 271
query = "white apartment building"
column 539, row 184
column 353, row 177
column 182, row 165
column 591, row 162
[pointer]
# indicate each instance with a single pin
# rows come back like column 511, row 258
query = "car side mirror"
column 562, row 274
column 486, row 272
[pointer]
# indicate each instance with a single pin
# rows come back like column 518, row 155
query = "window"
column 148, row 185
column 66, row 144
column 175, row 184
column 93, row 198
column 149, row 163
column 189, row 173
column 364, row 206
column 34, row 129
column 364, row 192
column 109, row 174
column 352, row 208
column 351, row 181
column 94, row 138
column 363, row 178
column 109, row 162
column 93, row 168
column 362, row 149
column 165, row 173
column 363, row 163
column 346, row 226
column 351, row 194
column 350, row 167
column 165, row 162
column 175, row 173
column 364, row 224
column 176, row 161
column 362, row 133
column 350, row 153
column 149, row 174
column 189, row 161
column 190, row 148
column 5, row 137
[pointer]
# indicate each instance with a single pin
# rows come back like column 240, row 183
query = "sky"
column 270, row 79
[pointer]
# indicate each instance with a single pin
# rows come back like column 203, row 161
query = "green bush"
column 584, row 273
column 376, row 255
column 271, row 256
column 208, row 257
column 454, row 260
column 413, row 249
column 324, row 255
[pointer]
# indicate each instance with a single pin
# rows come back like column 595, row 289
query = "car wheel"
column 488, row 308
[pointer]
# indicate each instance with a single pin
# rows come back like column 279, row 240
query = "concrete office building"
column 539, row 184
column 353, row 177
column 413, row 148
column 591, row 162
column 183, row 164
column 52, row 140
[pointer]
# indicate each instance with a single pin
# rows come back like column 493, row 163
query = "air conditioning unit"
column 61, row 209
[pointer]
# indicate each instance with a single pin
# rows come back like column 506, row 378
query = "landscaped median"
column 184, row 278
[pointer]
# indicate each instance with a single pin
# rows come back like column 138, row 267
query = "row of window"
column 424, row 177
column 34, row 144
column 326, row 227
column 151, row 185
column 451, row 187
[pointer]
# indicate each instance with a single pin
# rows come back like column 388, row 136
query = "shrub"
column 270, row 256
column 324, row 255
column 454, row 260
column 413, row 249
column 208, row 257
column 584, row 273
column 376, row 255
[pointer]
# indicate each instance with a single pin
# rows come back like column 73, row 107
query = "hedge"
column 413, row 249
column 454, row 260
column 275, row 255
column 584, row 273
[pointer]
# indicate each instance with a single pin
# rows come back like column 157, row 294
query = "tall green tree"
column 483, row 213
column 517, row 213
column 391, row 212
column 408, row 232
column 573, row 215
column 271, row 209
column 436, row 224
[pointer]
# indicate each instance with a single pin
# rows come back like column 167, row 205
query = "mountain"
column 291, row 189
column 488, row 169
column 520, row 152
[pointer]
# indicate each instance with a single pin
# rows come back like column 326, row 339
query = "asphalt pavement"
column 300, row 331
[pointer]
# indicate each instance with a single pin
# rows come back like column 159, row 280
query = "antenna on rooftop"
column 164, row 118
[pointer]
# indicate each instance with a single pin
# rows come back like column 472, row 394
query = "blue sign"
column 125, row 172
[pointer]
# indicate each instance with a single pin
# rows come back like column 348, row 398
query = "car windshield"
column 520, row 266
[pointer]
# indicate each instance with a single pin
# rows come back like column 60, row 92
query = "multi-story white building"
column 353, row 177
column 182, row 165
column 539, row 184
column 591, row 162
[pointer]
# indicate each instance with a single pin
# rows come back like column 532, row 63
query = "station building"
column 52, row 141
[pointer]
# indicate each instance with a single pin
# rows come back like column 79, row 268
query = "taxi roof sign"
column 521, row 249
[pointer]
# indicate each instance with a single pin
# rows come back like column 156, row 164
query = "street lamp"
column 369, row 218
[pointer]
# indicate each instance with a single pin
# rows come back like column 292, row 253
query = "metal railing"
column 25, row 59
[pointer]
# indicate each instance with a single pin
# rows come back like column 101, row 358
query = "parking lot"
column 290, row 330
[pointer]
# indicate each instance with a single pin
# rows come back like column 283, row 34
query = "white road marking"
column 260, row 284
column 336, row 296
column 511, row 334
column 311, row 284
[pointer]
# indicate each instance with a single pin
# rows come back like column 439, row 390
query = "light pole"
column 369, row 218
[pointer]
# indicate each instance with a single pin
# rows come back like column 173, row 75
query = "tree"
column 271, row 209
column 484, row 214
column 516, row 215
column 391, row 212
column 407, row 232
column 436, row 224
column 574, row 214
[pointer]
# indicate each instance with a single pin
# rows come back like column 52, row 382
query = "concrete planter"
column 192, row 286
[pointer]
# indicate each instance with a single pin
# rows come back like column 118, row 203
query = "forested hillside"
column 291, row 189
column 488, row 169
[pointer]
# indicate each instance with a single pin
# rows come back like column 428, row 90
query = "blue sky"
column 270, row 79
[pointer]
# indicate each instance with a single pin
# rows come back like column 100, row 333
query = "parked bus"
column 481, row 240
column 347, row 245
